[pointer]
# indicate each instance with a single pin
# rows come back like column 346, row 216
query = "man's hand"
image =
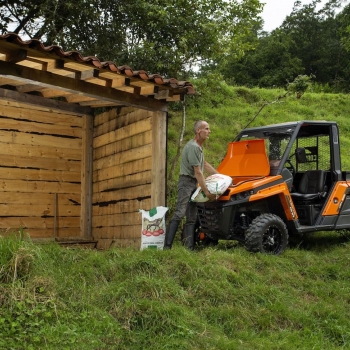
column 211, row 196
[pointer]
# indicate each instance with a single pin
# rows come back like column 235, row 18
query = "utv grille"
column 209, row 216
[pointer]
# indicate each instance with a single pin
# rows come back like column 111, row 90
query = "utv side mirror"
column 300, row 155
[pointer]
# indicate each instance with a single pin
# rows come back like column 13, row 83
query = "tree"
column 161, row 36
column 310, row 41
column 271, row 63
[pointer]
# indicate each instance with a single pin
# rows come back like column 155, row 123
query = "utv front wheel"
column 267, row 234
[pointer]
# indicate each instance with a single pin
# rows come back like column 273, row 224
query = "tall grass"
column 222, row 298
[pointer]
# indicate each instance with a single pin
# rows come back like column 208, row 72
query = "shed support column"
column 86, row 177
column 158, row 190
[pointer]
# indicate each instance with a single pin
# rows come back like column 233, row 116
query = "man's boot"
column 188, row 236
column 170, row 234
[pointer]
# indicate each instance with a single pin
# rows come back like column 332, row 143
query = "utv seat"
column 311, row 187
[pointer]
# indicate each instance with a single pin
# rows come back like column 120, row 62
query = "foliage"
column 344, row 28
column 163, row 36
column 16, row 256
column 311, row 41
column 299, row 85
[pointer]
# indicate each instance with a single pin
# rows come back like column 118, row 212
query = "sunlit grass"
column 214, row 298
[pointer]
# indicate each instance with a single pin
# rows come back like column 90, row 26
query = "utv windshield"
column 276, row 140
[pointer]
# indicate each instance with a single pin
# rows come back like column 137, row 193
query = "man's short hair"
column 197, row 125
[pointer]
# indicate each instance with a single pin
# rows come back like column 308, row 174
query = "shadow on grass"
column 317, row 241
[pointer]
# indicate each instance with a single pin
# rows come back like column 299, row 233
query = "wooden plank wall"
column 122, row 175
column 40, row 171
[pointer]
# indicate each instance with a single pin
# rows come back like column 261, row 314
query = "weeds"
column 215, row 298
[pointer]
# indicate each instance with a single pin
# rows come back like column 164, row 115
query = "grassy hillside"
column 214, row 298
column 229, row 109
column 222, row 298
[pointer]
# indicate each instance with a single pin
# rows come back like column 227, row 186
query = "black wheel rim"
column 272, row 239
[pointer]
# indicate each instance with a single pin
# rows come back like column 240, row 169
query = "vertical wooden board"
column 86, row 177
column 158, row 187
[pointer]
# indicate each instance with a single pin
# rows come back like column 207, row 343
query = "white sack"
column 216, row 184
column 153, row 228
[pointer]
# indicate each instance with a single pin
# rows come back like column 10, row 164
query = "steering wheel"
column 289, row 165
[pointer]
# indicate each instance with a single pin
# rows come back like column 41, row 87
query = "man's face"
column 204, row 131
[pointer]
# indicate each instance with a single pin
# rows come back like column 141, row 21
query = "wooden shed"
column 67, row 171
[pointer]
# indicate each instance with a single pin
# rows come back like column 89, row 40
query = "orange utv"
column 287, row 180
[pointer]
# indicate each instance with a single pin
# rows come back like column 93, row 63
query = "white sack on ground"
column 153, row 228
column 216, row 184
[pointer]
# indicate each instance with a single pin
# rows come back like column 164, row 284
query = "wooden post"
column 86, row 177
column 55, row 216
column 158, row 190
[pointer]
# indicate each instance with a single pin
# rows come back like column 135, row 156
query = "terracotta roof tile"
column 94, row 61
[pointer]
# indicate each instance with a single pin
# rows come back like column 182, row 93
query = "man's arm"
column 201, row 181
column 209, row 168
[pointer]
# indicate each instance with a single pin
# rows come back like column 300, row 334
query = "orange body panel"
column 336, row 199
column 283, row 192
column 280, row 189
column 245, row 159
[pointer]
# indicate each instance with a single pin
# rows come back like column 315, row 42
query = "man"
column 191, row 173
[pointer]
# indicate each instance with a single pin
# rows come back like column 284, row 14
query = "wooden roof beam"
column 44, row 103
column 79, row 74
column 16, row 56
column 28, row 88
column 50, row 93
column 97, row 103
column 51, row 80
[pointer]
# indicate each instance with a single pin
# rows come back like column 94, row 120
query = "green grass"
column 214, row 298
column 230, row 109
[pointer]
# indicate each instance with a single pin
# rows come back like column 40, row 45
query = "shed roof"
column 29, row 67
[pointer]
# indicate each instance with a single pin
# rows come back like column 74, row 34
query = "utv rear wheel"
column 267, row 234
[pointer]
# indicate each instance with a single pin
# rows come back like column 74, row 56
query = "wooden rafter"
column 44, row 103
column 49, row 80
